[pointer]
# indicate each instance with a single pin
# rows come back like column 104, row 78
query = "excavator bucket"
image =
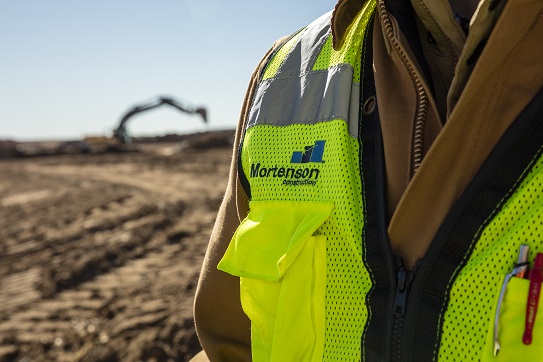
column 203, row 113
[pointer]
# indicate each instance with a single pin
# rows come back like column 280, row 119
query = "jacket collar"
column 436, row 15
column 342, row 17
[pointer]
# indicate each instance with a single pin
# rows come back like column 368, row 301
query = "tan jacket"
column 441, row 116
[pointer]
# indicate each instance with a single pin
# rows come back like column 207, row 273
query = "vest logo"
column 294, row 176
column 311, row 153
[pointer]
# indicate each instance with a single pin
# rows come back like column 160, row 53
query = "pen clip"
column 515, row 271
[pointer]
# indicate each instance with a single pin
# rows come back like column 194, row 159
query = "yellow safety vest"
column 318, row 278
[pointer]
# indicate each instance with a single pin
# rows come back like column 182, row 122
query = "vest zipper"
column 422, row 97
column 404, row 280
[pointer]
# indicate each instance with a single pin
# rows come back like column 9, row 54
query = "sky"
column 71, row 69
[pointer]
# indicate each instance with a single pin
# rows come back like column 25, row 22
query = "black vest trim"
column 497, row 179
column 377, row 254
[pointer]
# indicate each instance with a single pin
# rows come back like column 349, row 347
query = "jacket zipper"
column 405, row 277
column 404, row 280
column 422, row 98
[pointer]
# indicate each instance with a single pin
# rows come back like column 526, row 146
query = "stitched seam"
column 317, row 121
column 363, row 183
column 318, row 49
column 306, row 73
column 476, row 236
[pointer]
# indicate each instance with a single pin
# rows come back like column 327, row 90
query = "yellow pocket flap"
column 271, row 237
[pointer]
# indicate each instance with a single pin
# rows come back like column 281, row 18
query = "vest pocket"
column 511, row 327
column 281, row 263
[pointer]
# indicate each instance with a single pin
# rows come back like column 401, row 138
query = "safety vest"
column 317, row 276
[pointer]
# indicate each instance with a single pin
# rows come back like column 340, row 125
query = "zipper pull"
column 404, row 281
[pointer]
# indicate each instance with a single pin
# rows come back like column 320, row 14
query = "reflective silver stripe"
column 309, row 98
column 304, row 53
column 298, row 95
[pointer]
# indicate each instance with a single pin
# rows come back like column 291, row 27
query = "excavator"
column 121, row 134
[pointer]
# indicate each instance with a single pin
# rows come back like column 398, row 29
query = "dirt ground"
column 100, row 253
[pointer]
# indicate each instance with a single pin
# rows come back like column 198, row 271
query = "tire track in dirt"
column 100, row 255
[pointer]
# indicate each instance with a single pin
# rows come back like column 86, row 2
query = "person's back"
column 387, row 171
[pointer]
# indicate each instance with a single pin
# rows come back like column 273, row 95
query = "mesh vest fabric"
column 312, row 281
column 469, row 316
column 300, row 160
column 458, row 284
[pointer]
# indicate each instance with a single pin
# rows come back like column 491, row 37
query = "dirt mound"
column 195, row 141
column 100, row 253
column 8, row 149
column 174, row 143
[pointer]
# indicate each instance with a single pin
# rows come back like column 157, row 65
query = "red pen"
column 536, row 277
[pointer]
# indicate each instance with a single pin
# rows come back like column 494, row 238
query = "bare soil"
column 100, row 253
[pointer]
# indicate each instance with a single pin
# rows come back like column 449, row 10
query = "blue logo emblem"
column 311, row 153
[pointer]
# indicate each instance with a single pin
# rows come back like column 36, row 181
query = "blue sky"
column 69, row 69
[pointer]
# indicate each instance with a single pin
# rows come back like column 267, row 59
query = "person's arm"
column 223, row 328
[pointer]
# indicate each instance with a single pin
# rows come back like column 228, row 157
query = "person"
column 387, row 170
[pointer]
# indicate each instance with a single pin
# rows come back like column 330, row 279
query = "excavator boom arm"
column 120, row 132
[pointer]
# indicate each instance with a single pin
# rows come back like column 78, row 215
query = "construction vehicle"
column 121, row 134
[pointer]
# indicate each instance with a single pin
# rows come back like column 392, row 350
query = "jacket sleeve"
column 223, row 328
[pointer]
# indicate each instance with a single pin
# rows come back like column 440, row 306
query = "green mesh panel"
column 279, row 57
column 328, row 57
column 350, row 50
column 338, row 180
column 271, row 160
column 470, row 313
